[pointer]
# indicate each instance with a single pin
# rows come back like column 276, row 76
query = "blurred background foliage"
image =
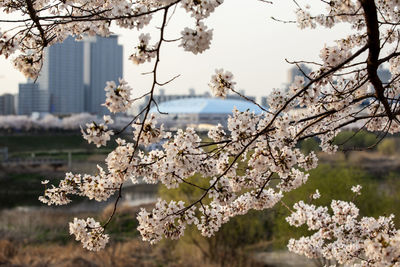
column 365, row 160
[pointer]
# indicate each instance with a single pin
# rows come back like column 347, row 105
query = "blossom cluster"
column 200, row 9
column 221, row 83
column 98, row 133
column 29, row 65
column 332, row 56
column 149, row 132
column 170, row 219
column 343, row 237
column 196, row 40
column 163, row 221
column 89, row 232
column 143, row 52
column 98, row 187
column 118, row 97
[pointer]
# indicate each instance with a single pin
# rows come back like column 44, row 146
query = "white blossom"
column 98, row 133
column 316, row 195
column 118, row 97
column 221, row 83
column 89, row 232
column 196, row 40
column 143, row 52
column 356, row 189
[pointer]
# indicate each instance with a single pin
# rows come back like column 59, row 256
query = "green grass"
column 21, row 190
column 46, row 142
column 76, row 156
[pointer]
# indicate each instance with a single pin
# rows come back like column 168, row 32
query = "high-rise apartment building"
column 103, row 62
column 7, row 104
column 73, row 77
column 62, row 77
column 32, row 99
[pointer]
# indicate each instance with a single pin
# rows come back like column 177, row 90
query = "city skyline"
column 242, row 59
column 72, row 77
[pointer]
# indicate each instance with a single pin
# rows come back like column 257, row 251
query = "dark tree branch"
column 36, row 20
column 371, row 19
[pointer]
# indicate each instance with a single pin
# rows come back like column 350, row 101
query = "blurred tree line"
column 360, row 140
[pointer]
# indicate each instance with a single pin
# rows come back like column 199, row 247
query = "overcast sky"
column 246, row 41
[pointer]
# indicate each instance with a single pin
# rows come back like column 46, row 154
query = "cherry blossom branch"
column 114, row 208
column 371, row 19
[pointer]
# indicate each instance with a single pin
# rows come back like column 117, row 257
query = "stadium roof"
column 204, row 105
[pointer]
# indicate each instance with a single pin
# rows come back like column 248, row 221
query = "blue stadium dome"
column 204, row 105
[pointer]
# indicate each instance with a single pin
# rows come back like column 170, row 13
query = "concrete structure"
column 103, row 62
column 200, row 111
column 264, row 101
column 384, row 75
column 73, row 77
column 62, row 77
column 162, row 97
column 7, row 104
column 32, row 99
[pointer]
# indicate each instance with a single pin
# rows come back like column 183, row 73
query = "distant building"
column 26, row 91
column 200, row 111
column 103, row 62
column 16, row 103
column 264, row 101
column 162, row 97
column 7, row 104
column 62, row 77
column 73, row 77
column 32, row 99
column 384, row 75
column 295, row 71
